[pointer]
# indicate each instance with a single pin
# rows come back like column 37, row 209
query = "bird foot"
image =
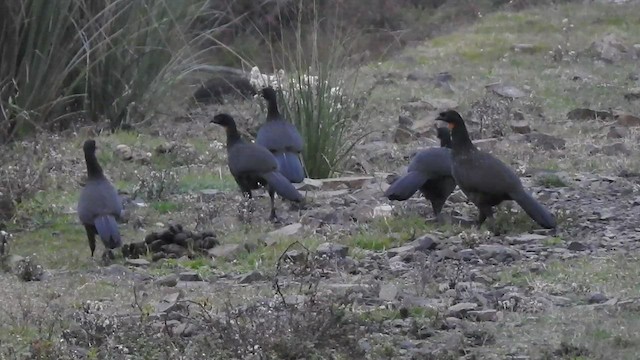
column 274, row 218
column 107, row 257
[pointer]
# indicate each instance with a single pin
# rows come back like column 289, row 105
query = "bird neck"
column 446, row 142
column 94, row 171
column 460, row 140
column 272, row 110
column 233, row 136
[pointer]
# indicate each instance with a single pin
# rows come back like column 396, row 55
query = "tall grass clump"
column 318, row 88
column 68, row 60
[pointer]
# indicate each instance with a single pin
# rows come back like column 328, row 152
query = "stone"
column 166, row 147
column 417, row 107
column 309, row 185
column 459, row 310
column 577, row 246
column 405, row 121
column 124, row 152
column 175, row 249
column 284, row 232
column 184, row 330
column 295, row 256
column 546, row 142
column 500, row 253
column 588, row 114
column 520, row 126
column 226, row 251
column 388, row 292
column 505, row 90
column 632, row 94
column 525, row 238
column 417, row 76
column 483, row 315
column 190, row 276
column 167, row 281
column 617, row 132
column 137, row 262
column 351, row 182
column 251, row 277
column 525, row 48
column 597, row 298
column 614, row 149
column 403, row 135
column 332, row 250
column 627, row 120
column 382, row 211
column 609, row 49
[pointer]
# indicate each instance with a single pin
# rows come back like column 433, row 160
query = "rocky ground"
column 553, row 92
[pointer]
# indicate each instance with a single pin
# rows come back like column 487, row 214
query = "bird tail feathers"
column 108, row 230
column 404, row 187
column 282, row 186
column 290, row 166
column 534, row 209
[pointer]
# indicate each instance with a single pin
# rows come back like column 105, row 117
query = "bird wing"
column 97, row 198
column 279, row 135
column 250, row 158
column 478, row 171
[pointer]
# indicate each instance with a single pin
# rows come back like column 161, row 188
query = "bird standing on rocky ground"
column 485, row 180
column 253, row 166
column 99, row 205
column 429, row 172
column 281, row 138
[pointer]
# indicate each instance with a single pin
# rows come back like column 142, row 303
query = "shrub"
column 318, row 88
column 71, row 59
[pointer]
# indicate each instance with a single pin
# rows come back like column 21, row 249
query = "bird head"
column 452, row 118
column 224, row 120
column 268, row 93
column 89, row 146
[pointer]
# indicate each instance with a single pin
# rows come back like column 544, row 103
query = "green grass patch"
column 200, row 180
column 165, row 207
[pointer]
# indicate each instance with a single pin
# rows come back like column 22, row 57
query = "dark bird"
column 253, row 166
column 429, row 172
column 281, row 138
column 485, row 180
column 99, row 205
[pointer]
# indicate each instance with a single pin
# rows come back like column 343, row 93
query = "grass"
column 194, row 181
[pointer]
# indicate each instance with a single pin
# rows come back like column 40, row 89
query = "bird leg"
column 485, row 212
column 273, row 217
column 91, row 236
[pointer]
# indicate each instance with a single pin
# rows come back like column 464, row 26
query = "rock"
column 226, row 251
column 189, row 276
column 609, row 49
column 500, row 253
column 617, row 132
column 520, row 126
column 382, row 211
column 251, row 277
column 332, row 250
column 167, row 281
column 207, row 243
column 483, row 315
column 525, row 238
column 577, row 246
column 546, row 142
column 169, row 303
column 157, row 245
column 487, row 144
column 137, row 262
column 166, row 147
column 295, row 256
column 309, row 185
column 417, row 76
column 615, row 149
column 504, row 90
column 417, row 107
column 284, row 232
column 405, row 121
column 184, row 330
column 403, row 135
column 597, row 298
column 388, row 292
column 174, row 249
column 151, row 237
column 352, row 182
column 124, row 152
column 460, row 309
column 525, row 48
column 425, row 243
column 589, row 114
column 627, row 120
column 632, row 94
